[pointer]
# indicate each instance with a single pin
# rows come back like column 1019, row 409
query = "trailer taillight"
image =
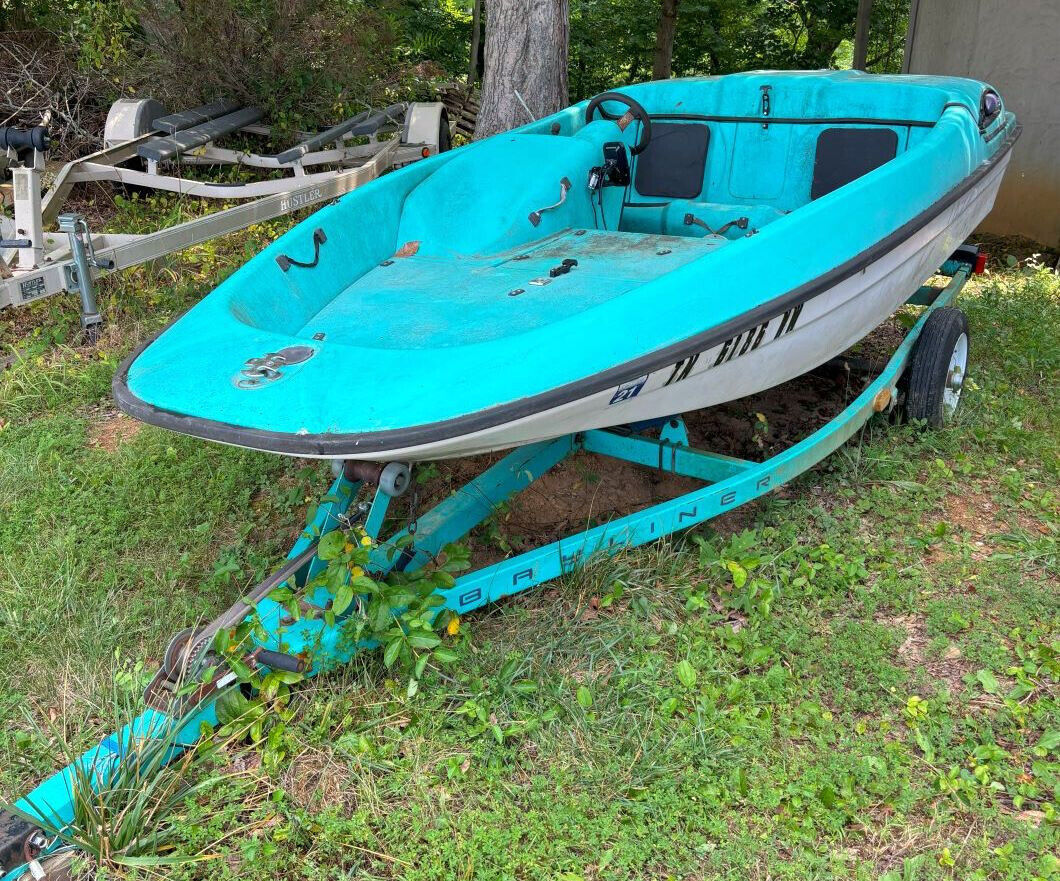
column 980, row 263
column 425, row 152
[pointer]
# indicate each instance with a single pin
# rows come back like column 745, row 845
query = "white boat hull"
column 782, row 348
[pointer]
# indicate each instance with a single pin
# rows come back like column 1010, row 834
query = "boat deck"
column 425, row 302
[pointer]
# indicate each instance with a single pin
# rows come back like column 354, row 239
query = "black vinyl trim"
column 801, row 120
column 339, row 445
column 989, row 137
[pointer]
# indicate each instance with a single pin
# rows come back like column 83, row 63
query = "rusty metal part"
column 363, row 472
column 187, row 648
column 15, row 836
column 392, row 478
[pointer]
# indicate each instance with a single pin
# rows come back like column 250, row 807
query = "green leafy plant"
column 400, row 613
column 747, row 591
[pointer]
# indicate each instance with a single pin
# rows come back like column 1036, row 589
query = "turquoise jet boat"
column 660, row 248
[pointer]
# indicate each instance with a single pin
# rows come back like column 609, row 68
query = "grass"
column 878, row 699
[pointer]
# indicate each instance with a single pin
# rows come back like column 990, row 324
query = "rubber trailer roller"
column 393, row 478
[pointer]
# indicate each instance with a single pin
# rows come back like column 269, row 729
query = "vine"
column 400, row 613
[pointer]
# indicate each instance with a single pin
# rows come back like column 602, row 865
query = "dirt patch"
column 586, row 490
column 912, row 651
column 976, row 515
column 949, row 667
column 108, row 429
column 314, row 779
column 999, row 247
column 887, row 843
column 766, row 423
column 972, row 512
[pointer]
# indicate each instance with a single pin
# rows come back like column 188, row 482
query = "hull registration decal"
column 628, row 390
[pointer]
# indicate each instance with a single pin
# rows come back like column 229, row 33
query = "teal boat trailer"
column 728, row 483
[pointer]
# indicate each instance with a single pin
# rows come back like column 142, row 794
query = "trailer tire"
column 938, row 368
column 445, row 138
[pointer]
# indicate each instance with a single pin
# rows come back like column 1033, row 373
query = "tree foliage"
column 612, row 41
column 309, row 62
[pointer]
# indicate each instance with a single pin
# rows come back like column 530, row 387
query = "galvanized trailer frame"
column 35, row 263
column 311, row 646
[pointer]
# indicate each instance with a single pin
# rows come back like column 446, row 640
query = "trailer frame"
column 310, row 645
column 36, row 263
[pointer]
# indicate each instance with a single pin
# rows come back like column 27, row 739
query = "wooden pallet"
column 462, row 104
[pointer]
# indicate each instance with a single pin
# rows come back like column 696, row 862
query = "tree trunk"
column 526, row 58
column 861, row 34
column 664, row 40
column 476, row 32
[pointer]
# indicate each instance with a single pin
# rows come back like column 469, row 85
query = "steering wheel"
column 634, row 108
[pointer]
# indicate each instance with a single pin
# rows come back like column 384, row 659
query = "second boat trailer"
column 924, row 376
column 145, row 147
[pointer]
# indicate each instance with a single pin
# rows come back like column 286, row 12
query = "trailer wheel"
column 445, row 139
column 938, row 368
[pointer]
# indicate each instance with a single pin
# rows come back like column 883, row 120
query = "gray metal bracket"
column 79, row 270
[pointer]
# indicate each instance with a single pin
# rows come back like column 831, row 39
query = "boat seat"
column 485, row 214
column 843, row 155
column 159, row 149
column 668, row 218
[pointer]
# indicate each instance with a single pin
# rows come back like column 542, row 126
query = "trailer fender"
column 130, row 118
column 427, row 123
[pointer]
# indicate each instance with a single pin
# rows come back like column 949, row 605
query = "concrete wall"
column 1015, row 46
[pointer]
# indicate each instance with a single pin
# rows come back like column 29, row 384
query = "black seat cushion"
column 845, row 154
column 673, row 163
